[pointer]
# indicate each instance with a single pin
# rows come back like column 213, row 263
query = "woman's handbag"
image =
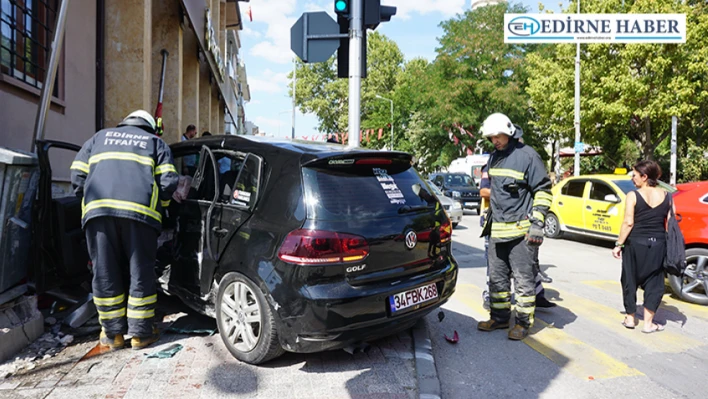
column 675, row 259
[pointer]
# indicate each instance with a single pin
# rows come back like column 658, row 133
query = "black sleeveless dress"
column 643, row 255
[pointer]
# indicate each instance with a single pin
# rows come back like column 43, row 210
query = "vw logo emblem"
column 411, row 239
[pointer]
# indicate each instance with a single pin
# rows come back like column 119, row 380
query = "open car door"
column 58, row 245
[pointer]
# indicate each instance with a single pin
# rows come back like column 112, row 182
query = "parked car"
column 296, row 246
column 591, row 205
column 452, row 207
column 691, row 201
column 460, row 187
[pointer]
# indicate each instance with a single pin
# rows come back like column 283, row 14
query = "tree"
column 320, row 92
column 629, row 91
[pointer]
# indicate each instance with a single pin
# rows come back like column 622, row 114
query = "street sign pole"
column 674, row 122
column 576, row 163
column 355, row 40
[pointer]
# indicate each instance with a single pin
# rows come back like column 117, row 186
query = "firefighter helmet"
column 141, row 119
column 498, row 124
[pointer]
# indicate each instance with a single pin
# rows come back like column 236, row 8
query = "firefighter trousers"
column 123, row 251
column 509, row 259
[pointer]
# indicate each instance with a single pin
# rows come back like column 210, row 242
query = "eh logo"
column 524, row 26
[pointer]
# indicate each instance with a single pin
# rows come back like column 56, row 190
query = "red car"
column 691, row 201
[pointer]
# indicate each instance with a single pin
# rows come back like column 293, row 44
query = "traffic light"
column 342, row 7
column 375, row 13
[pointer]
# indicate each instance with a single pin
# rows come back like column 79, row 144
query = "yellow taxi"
column 591, row 205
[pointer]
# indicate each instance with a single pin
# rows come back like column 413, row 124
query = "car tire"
column 245, row 320
column 454, row 225
column 552, row 227
column 691, row 292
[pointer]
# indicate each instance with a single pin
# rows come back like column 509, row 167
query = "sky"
column 265, row 50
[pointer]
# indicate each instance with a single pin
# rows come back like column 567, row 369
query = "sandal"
column 659, row 328
column 629, row 326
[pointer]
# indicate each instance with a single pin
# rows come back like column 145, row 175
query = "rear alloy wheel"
column 552, row 227
column 245, row 320
column 695, row 279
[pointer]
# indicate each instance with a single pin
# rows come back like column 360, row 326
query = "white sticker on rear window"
column 394, row 194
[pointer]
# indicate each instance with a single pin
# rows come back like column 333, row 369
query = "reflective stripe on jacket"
column 520, row 191
column 124, row 172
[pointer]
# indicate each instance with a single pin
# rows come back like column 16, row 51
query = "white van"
column 470, row 165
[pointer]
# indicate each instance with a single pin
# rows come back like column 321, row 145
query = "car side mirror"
column 612, row 198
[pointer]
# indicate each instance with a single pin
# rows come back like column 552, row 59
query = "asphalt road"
column 578, row 349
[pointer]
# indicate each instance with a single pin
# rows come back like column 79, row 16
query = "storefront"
column 111, row 65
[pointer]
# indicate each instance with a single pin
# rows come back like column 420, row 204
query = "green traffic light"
column 340, row 5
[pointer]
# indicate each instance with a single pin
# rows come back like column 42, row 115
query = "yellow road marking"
column 668, row 303
column 571, row 354
column 610, row 318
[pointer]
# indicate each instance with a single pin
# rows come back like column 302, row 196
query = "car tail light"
column 445, row 232
column 314, row 247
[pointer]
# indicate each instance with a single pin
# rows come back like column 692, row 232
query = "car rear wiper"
column 415, row 208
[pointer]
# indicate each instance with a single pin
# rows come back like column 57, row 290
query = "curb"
column 426, row 372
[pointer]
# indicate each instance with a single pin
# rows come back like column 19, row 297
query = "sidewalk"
column 205, row 369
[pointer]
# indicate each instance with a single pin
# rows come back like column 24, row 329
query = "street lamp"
column 391, row 101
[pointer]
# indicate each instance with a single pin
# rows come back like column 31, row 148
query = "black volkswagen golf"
column 301, row 246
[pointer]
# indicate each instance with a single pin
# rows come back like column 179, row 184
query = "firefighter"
column 125, row 177
column 519, row 200
column 541, row 277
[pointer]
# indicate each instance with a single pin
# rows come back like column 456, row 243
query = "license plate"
column 470, row 204
column 413, row 297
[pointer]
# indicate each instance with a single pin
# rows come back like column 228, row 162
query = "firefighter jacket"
column 124, row 172
column 520, row 191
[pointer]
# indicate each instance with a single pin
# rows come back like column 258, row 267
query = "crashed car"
column 303, row 247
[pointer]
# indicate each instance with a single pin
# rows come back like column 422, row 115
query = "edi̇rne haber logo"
column 594, row 28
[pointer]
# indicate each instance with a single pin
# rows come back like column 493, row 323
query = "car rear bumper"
column 334, row 317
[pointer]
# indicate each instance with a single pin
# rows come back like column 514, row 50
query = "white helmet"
column 141, row 119
column 498, row 124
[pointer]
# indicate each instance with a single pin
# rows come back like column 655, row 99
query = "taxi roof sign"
column 621, row 171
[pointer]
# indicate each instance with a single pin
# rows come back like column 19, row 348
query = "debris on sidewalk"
column 166, row 353
column 454, row 338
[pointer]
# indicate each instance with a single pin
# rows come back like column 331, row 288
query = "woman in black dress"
column 642, row 245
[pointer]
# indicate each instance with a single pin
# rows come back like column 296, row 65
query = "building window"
column 26, row 28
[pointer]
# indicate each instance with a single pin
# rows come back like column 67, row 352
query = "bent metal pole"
column 51, row 73
column 355, row 42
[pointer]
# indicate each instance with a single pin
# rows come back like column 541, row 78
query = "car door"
column 193, row 246
column 602, row 210
column 238, row 179
column 571, row 203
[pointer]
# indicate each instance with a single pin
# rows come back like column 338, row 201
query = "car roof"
column 601, row 177
column 302, row 149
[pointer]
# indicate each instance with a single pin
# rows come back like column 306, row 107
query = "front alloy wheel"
column 245, row 320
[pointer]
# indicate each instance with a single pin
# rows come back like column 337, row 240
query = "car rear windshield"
column 364, row 191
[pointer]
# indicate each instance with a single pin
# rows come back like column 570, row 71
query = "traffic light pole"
column 355, row 43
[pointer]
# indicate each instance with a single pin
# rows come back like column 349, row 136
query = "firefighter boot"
column 114, row 343
column 518, row 333
column 138, row 343
column 491, row 325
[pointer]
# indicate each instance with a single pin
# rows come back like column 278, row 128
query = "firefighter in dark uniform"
column 520, row 198
column 125, row 177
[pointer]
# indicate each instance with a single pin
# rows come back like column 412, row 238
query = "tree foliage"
column 629, row 91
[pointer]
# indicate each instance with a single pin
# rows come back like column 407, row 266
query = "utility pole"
column 391, row 101
column 674, row 122
column 355, row 40
column 292, row 136
column 51, row 72
column 576, row 164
